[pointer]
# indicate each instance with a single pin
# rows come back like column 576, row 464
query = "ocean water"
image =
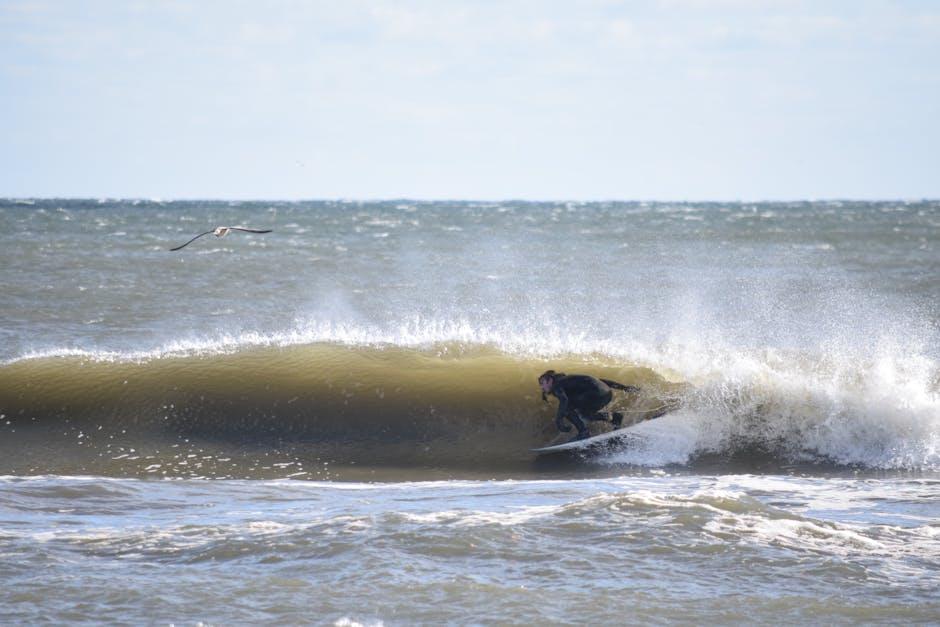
column 331, row 423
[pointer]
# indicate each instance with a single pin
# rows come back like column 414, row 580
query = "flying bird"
column 222, row 231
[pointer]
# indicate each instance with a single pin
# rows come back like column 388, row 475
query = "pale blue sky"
column 668, row 99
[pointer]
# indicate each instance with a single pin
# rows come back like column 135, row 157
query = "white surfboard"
column 617, row 437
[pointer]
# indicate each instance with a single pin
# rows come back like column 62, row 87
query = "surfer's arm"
column 562, row 410
column 620, row 386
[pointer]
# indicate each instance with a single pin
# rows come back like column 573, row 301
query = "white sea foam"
column 877, row 410
column 462, row 518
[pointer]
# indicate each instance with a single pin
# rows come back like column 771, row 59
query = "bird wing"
column 191, row 241
column 247, row 230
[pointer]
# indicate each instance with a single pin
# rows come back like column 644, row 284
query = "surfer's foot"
column 582, row 435
column 617, row 419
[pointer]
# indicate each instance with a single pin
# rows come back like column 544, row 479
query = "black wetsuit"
column 581, row 397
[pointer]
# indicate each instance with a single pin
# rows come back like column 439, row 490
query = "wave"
column 324, row 389
column 473, row 402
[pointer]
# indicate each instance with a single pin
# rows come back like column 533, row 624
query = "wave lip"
column 414, row 333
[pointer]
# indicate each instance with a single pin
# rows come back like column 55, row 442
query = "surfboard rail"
column 609, row 438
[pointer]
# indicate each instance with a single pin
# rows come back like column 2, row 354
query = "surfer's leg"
column 615, row 418
column 590, row 408
column 596, row 402
column 574, row 417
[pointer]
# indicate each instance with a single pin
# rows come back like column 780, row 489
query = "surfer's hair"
column 549, row 374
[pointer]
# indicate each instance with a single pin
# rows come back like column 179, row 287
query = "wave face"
column 449, row 405
column 409, row 335
column 456, row 406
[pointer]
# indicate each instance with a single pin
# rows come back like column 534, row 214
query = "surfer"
column 581, row 398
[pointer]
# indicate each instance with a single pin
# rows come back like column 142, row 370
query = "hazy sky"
column 668, row 99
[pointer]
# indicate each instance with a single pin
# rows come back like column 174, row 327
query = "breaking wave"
column 472, row 397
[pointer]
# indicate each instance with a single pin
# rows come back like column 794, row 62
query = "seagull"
column 222, row 231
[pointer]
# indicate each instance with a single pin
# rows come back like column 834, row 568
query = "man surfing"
column 581, row 398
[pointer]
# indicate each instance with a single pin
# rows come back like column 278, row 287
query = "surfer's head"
column 547, row 381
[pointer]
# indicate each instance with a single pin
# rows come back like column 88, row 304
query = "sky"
column 490, row 100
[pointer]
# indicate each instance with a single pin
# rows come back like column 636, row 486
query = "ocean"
column 331, row 423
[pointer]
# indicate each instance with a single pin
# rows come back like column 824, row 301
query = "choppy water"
column 644, row 549
column 331, row 422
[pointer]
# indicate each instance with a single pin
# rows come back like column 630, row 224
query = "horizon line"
column 385, row 199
